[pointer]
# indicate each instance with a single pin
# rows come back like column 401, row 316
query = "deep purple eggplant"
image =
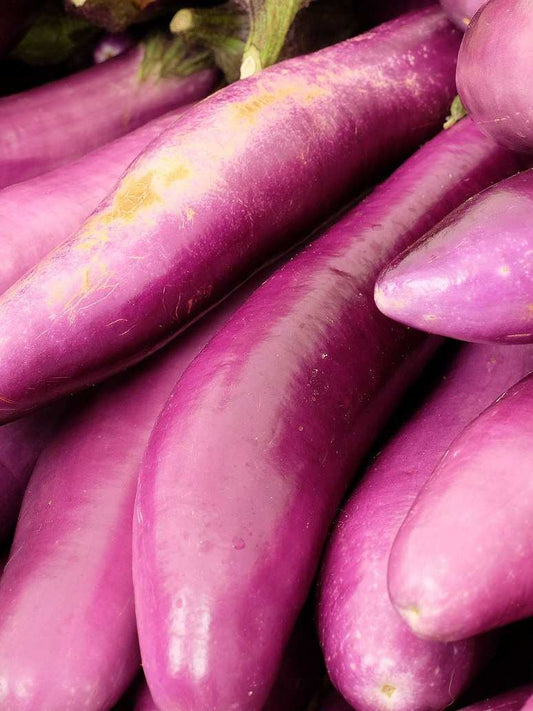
column 253, row 452
column 471, row 276
column 242, row 176
column 53, row 124
column 372, row 657
column 41, row 213
column 494, row 77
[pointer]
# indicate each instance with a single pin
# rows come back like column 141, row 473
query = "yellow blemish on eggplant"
column 504, row 270
column 134, row 194
column 7, row 400
column 189, row 214
column 430, row 317
column 388, row 690
column 180, row 172
column 301, row 93
column 530, row 308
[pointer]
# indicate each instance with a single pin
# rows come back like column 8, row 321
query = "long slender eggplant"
column 461, row 563
column 68, row 636
column 242, row 176
column 41, row 213
column 372, row 657
column 253, row 452
column 53, row 124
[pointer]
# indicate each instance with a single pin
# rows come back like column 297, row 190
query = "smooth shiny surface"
column 461, row 12
column 258, row 442
column 372, row 657
column 494, row 76
column 242, row 175
column 471, row 277
column 41, row 213
column 461, row 562
column 68, row 637
column 56, row 123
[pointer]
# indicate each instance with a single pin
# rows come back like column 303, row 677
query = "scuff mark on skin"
column 388, row 690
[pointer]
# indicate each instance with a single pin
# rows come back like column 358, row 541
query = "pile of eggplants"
column 266, row 363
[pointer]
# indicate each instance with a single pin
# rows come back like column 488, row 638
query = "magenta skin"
column 461, row 561
column 41, row 213
column 510, row 701
column 461, row 12
column 21, row 443
column 68, row 635
column 56, row 123
column 494, row 76
column 372, row 657
column 471, row 277
column 15, row 16
column 111, row 45
column 529, row 705
column 241, row 177
column 254, row 450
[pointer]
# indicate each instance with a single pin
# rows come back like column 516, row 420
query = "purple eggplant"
column 462, row 561
column 53, row 124
column 471, row 277
column 41, row 213
column 494, row 76
column 68, row 636
column 254, row 450
column 21, row 443
column 372, row 656
column 242, row 176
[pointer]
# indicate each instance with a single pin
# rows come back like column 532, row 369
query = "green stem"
column 270, row 23
column 170, row 56
column 457, row 112
column 221, row 30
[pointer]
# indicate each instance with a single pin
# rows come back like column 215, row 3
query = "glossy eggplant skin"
column 371, row 655
column 461, row 11
column 241, row 177
column 494, row 77
column 450, row 574
column 471, row 277
column 257, row 444
column 58, row 122
column 37, row 215
column 68, row 637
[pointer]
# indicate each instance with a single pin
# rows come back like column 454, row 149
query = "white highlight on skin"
column 191, row 649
